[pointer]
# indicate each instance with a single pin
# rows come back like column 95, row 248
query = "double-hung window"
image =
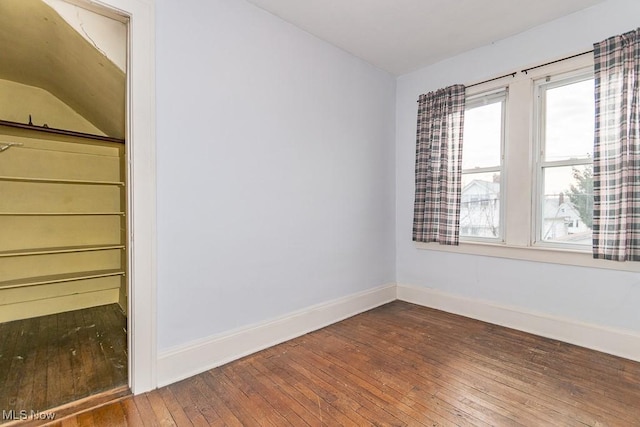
column 565, row 127
column 527, row 166
column 481, row 207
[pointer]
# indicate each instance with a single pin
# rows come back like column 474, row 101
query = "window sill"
column 532, row 253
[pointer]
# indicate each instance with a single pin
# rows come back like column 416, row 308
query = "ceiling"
column 400, row 36
column 41, row 49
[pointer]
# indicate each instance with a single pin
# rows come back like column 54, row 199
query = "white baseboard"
column 196, row 357
column 608, row 340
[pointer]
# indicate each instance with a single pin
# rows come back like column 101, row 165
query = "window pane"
column 567, row 204
column 482, row 136
column 570, row 113
column 480, row 205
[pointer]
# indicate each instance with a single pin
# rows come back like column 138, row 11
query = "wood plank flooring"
column 51, row 360
column 397, row 365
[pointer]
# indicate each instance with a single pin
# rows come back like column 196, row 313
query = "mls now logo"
column 23, row 414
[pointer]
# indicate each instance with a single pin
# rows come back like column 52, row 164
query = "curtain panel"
column 616, row 161
column 438, row 173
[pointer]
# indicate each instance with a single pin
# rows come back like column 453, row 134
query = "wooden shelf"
column 59, row 250
column 60, row 181
column 61, row 131
column 60, row 213
column 59, row 278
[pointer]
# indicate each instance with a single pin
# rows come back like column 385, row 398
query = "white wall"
column 602, row 297
column 275, row 170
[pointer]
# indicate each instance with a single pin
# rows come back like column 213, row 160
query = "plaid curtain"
column 616, row 160
column 436, row 214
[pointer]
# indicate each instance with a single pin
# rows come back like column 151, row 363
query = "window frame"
column 540, row 85
column 519, row 183
column 476, row 100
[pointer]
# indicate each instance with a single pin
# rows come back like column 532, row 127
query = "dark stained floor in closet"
column 52, row 360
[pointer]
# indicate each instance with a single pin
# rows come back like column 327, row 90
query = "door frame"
column 141, row 184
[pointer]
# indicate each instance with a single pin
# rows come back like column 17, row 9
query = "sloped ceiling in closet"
column 41, row 49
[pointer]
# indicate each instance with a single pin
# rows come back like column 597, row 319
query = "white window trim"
column 519, row 183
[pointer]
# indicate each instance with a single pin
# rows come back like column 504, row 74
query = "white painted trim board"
column 608, row 340
column 141, row 177
column 198, row 356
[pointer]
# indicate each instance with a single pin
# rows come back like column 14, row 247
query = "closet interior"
column 63, row 204
column 63, row 259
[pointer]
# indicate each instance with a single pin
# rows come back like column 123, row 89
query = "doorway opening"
column 64, row 206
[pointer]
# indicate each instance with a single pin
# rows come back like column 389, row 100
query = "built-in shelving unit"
column 63, row 222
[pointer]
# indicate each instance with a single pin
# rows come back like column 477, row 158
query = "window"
column 529, row 136
column 482, row 153
column 565, row 117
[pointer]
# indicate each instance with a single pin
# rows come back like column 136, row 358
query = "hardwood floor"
column 51, row 360
column 399, row 364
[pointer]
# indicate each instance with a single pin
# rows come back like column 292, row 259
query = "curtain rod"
column 487, row 81
column 557, row 60
column 526, row 70
column 490, row 80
